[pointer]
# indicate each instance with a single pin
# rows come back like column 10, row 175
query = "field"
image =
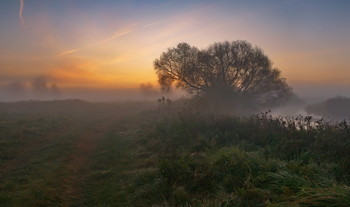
column 77, row 153
column 65, row 153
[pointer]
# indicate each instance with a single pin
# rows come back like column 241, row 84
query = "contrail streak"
column 115, row 36
column 20, row 13
column 153, row 23
column 67, row 52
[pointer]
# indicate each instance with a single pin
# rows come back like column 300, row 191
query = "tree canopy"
column 232, row 71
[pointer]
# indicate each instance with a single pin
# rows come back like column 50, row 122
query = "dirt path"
column 79, row 161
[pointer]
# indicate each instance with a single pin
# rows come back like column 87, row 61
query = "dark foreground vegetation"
column 75, row 153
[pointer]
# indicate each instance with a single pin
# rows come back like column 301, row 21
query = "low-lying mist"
column 305, row 102
column 43, row 88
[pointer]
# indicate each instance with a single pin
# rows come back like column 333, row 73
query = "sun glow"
column 101, row 46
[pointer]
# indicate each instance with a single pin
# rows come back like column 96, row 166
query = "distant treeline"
column 338, row 108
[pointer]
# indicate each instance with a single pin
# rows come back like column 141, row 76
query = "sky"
column 111, row 44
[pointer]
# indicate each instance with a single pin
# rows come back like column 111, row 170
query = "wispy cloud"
column 153, row 23
column 67, row 52
column 20, row 13
column 116, row 35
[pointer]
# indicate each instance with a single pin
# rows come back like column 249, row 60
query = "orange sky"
column 112, row 44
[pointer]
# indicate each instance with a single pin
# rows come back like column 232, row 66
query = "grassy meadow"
column 77, row 153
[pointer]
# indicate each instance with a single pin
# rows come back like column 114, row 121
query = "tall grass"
column 258, row 160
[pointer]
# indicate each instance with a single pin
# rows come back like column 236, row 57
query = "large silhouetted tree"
column 224, row 72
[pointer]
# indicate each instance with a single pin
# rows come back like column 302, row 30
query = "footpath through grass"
column 110, row 174
column 71, row 155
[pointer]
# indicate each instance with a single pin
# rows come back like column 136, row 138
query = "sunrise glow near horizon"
column 111, row 44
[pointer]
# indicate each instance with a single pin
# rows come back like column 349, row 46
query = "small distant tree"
column 228, row 72
column 147, row 89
